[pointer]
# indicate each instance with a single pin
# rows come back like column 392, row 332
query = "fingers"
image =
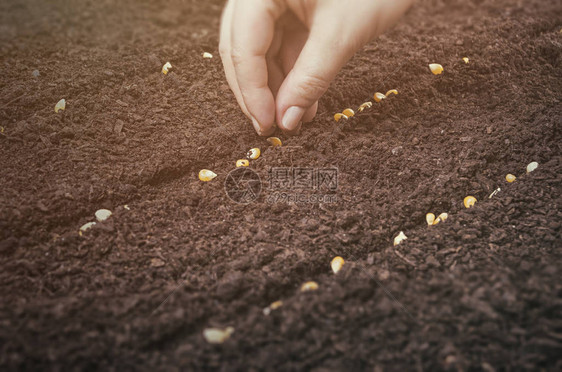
column 253, row 31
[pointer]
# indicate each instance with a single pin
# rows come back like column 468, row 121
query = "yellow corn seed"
column 399, row 238
column 242, row 163
column 85, row 227
column 348, row 112
column 379, row 97
column 274, row 141
column 206, row 175
column 465, row 59
column 274, row 306
column 309, row 286
column 337, row 264
column 61, row 105
column 436, row 68
column 469, row 201
column 510, row 178
column 430, row 218
column 365, row 105
column 217, row 335
column 392, row 91
column 441, row 218
column 207, row 55
column 1, row 129
column 532, row 166
column 339, row 116
column 102, row 214
column 254, row 153
column 167, row 66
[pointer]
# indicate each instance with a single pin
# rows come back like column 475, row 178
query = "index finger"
column 253, row 29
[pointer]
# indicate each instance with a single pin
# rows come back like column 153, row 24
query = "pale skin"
column 280, row 56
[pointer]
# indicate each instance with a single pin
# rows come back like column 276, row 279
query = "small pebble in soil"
column 87, row 226
column 274, row 306
column 510, row 178
column 399, row 238
column 441, row 218
column 392, row 91
column 206, row 175
column 207, row 55
column 339, row 116
column 254, row 153
column 365, row 105
column 61, row 105
column 167, row 66
column 309, row 286
column 217, row 335
column 348, row 112
column 103, row 214
column 436, row 68
column 469, row 201
column 36, row 73
column 242, row 163
column 465, row 59
column 532, row 166
column 337, row 264
column 274, row 141
column 430, row 219
column 379, row 97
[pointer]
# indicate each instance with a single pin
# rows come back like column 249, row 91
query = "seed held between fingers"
column 253, row 153
column 436, row 68
column 206, row 175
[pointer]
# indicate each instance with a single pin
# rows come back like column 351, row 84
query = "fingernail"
column 292, row 118
column 256, row 126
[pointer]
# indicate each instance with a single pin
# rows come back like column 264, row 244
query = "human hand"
column 280, row 56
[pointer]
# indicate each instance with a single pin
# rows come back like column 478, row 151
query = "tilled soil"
column 480, row 291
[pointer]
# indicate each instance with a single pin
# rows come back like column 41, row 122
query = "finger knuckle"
column 312, row 86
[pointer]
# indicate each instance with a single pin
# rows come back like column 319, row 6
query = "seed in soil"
column 348, row 112
column 207, row 55
column 103, row 214
column 274, row 306
column 61, row 105
column 510, row 178
column 441, row 218
column 167, row 66
column 339, row 116
column 469, row 201
column 274, row 141
column 494, row 193
column 532, row 166
column 379, row 97
column 337, row 264
column 86, row 226
column 309, row 286
column 399, row 238
column 364, row 106
column 465, row 59
column 392, row 91
column 242, row 163
column 254, row 153
column 206, row 175
column 217, row 335
column 430, row 218
column 436, row 68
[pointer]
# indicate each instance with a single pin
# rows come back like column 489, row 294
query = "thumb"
column 322, row 57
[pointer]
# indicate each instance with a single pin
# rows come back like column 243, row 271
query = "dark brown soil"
column 481, row 291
